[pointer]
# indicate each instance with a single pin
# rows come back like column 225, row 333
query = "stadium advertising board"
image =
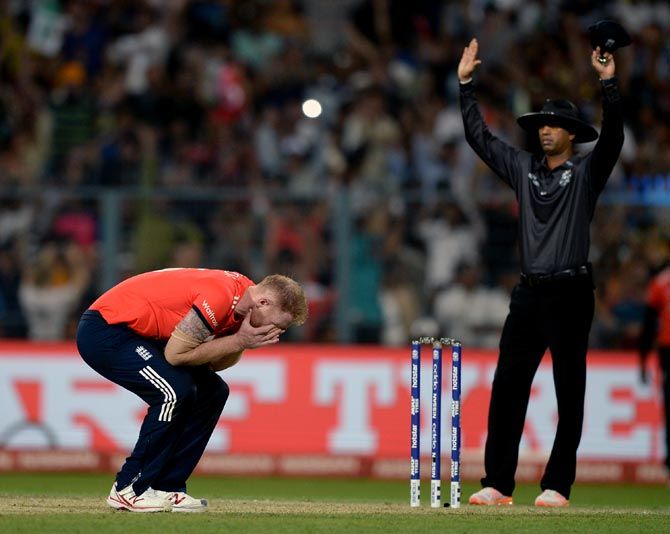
column 320, row 409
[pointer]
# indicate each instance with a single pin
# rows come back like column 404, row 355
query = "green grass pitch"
column 75, row 503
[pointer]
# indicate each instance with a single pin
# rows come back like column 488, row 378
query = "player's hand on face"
column 604, row 70
column 252, row 337
column 469, row 61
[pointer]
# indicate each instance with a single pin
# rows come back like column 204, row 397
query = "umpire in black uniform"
column 553, row 304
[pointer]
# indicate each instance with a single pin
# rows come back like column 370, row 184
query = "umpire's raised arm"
column 607, row 149
column 500, row 157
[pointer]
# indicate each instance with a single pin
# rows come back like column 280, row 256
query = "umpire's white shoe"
column 183, row 502
column 489, row 496
column 149, row 501
column 552, row 499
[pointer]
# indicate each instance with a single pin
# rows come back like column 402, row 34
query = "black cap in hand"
column 608, row 35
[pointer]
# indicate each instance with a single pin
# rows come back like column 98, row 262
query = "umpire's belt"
column 535, row 280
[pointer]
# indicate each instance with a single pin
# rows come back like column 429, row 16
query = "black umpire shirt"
column 555, row 206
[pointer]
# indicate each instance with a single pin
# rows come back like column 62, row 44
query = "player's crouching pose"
column 163, row 335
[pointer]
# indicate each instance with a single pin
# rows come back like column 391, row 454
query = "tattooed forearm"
column 193, row 328
column 192, row 343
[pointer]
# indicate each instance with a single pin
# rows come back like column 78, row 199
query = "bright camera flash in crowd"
column 311, row 108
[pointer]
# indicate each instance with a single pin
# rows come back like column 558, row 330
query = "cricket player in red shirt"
column 163, row 335
column 656, row 331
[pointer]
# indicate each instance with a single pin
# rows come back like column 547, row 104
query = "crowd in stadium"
column 204, row 95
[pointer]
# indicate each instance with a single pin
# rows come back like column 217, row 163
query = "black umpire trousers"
column 555, row 315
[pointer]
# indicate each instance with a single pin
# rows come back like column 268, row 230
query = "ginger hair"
column 291, row 296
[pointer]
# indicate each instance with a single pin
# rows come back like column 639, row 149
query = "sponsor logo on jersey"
column 210, row 313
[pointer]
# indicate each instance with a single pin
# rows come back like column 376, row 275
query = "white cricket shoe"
column 551, row 499
column 126, row 499
column 183, row 502
column 490, row 497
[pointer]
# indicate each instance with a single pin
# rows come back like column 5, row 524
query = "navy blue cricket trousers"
column 184, row 403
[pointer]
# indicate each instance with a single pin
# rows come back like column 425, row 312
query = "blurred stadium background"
column 138, row 135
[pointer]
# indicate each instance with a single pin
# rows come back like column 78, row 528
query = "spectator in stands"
column 366, row 276
column 449, row 239
column 74, row 112
column 146, row 46
column 12, row 317
column 473, row 312
column 51, row 288
column 400, row 304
